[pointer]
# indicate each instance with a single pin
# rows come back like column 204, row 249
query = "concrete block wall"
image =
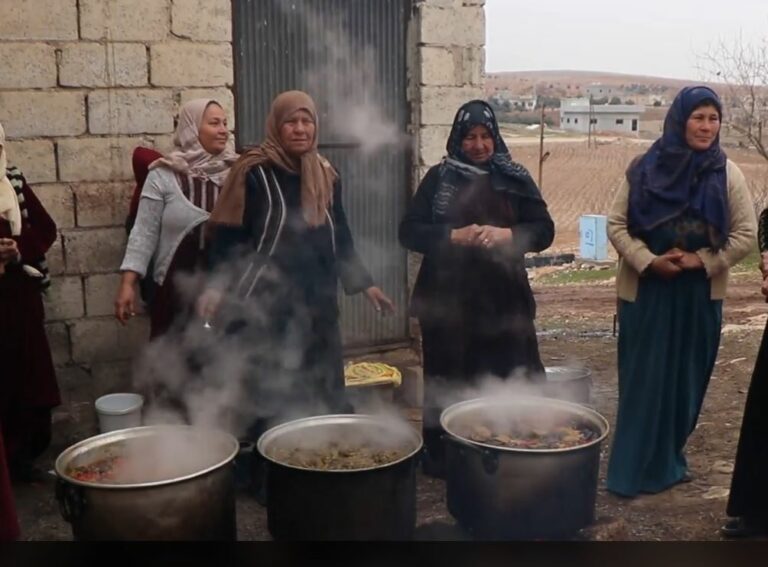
column 82, row 83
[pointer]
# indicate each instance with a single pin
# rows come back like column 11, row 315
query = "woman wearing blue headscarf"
column 473, row 217
column 681, row 219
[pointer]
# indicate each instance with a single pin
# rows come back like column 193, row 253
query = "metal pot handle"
column 71, row 500
column 490, row 459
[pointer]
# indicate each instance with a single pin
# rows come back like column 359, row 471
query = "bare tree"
column 742, row 67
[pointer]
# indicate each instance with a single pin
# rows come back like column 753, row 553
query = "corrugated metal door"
column 350, row 55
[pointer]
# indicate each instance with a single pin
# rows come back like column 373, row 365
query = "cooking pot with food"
column 341, row 477
column 164, row 482
column 522, row 468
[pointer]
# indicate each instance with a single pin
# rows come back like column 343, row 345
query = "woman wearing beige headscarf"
column 176, row 200
column 28, row 389
column 280, row 244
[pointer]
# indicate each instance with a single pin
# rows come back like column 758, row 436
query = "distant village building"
column 576, row 115
column 597, row 90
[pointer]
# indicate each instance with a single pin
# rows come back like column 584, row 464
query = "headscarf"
column 9, row 201
column 671, row 178
column 188, row 156
column 456, row 168
column 317, row 174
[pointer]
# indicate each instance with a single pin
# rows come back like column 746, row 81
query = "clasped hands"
column 481, row 235
column 674, row 262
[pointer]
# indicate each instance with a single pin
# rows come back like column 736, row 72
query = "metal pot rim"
column 527, row 401
column 66, row 456
column 278, row 430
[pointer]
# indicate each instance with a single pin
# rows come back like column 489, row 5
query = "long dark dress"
column 290, row 321
column 475, row 306
column 28, row 388
column 668, row 341
column 749, row 486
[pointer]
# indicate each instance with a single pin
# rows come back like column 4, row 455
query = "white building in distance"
column 576, row 115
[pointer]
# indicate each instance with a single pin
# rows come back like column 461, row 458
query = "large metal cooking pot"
column 196, row 502
column 507, row 493
column 569, row 383
column 377, row 503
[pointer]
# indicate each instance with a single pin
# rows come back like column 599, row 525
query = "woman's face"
column 213, row 132
column 297, row 133
column 477, row 145
column 702, row 128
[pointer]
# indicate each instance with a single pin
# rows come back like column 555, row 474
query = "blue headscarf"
column 457, row 170
column 671, row 178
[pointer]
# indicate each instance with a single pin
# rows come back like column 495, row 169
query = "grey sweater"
column 164, row 218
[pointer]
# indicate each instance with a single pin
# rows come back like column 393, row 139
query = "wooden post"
column 541, row 147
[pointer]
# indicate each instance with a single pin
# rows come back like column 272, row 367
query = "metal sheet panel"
column 350, row 55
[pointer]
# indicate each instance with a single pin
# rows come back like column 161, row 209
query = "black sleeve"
column 535, row 230
column 227, row 240
column 418, row 231
column 762, row 231
column 353, row 274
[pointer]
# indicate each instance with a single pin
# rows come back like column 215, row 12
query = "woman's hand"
column 208, row 304
column 666, row 266
column 465, row 236
column 688, row 260
column 9, row 250
column 125, row 302
column 379, row 300
column 491, row 236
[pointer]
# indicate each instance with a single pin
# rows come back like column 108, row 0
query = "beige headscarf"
column 9, row 201
column 188, row 156
column 317, row 174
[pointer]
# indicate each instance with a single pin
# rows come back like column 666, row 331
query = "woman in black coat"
column 473, row 217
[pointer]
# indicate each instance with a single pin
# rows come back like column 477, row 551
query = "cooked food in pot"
column 519, row 435
column 337, row 457
column 103, row 470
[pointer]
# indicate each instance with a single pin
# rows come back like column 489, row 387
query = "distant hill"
column 572, row 83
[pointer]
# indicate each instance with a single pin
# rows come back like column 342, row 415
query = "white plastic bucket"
column 119, row 411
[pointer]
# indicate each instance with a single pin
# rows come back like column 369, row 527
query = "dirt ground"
column 575, row 324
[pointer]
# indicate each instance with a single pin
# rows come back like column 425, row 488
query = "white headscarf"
column 188, row 156
column 9, row 201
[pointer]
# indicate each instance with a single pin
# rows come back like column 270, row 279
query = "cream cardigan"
column 635, row 257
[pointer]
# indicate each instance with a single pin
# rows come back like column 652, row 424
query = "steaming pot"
column 509, row 493
column 376, row 503
column 196, row 506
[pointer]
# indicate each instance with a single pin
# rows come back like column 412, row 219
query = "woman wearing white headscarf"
column 28, row 389
column 176, row 200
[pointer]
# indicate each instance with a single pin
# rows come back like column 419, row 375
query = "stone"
column 104, row 65
column 124, row 20
column 102, row 204
column 461, row 25
column 55, row 258
column 27, row 66
column 96, row 159
column 411, row 390
column 58, row 202
column 186, row 64
column 35, row 158
column 58, row 340
column 111, row 377
column 439, row 104
column 432, row 140
column 106, row 340
column 438, row 66
column 93, row 250
column 38, row 19
column 605, row 529
column 202, row 20
column 64, row 299
column 28, row 114
column 75, row 384
column 133, row 111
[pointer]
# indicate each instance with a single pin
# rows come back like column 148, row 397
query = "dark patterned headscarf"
column 671, row 178
column 457, row 169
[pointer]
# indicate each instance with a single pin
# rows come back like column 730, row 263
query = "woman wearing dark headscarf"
column 280, row 244
column 473, row 217
column 681, row 219
column 748, row 499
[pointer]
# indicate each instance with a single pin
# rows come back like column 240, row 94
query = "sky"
column 663, row 38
